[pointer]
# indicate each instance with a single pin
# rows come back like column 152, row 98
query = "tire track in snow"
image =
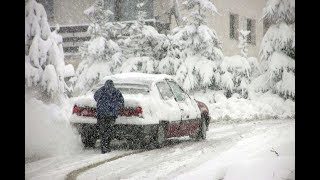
column 75, row 173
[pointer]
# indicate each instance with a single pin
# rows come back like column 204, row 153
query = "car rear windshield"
column 128, row 88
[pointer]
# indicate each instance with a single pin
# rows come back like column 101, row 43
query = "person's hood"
column 109, row 84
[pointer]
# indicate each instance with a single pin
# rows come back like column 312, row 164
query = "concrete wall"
column 221, row 23
column 70, row 12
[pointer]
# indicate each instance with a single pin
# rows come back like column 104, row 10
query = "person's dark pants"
column 105, row 125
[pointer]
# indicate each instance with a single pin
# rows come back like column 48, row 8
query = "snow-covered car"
column 156, row 108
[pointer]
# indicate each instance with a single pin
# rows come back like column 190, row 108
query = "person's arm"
column 120, row 99
column 98, row 94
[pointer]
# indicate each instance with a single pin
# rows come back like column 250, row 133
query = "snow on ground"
column 227, row 147
column 253, row 157
column 231, row 151
column 59, row 166
column 259, row 106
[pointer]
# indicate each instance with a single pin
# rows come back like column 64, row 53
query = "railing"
column 73, row 36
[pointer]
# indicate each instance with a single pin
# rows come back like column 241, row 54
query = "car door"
column 189, row 113
column 169, row 109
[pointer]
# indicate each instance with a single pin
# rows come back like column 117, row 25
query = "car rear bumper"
column 121, row 131
column 135, row 120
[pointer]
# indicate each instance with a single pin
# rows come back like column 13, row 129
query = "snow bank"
column 259, row 106
column 47, row 131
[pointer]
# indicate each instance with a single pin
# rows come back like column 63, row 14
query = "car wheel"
column 160, row 136
column 207, row 119
column 202, row 133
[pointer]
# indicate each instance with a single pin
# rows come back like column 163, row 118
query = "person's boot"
column 105, row 150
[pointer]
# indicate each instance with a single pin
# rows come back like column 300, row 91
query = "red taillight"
column 84, row 111
column 139, row 110
column 75, row 110
column 130, row 111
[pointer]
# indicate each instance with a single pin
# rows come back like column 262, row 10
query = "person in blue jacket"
column 109, row 101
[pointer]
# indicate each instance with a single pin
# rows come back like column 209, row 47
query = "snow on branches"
column 200, row 7
column 44, row 56
column 194, row 52
column 236, row 73
column 277, row 11
column 101, row 55
column 191, row 47
column 277, row 50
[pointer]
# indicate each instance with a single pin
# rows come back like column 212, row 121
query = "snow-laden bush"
column 196, row 71
column 282, row 72
column 101, row 56
column 255, row 67
column 195, row 50
column 278, row 49
column 44, row 57
column 143, row 40
column 142, row 64
column 236, row 72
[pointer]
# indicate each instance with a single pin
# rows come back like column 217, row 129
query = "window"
column 126, row 10
column 177, row 91
column 48, row 6
column 164, row 90
column 251, row 26
column 234, row 26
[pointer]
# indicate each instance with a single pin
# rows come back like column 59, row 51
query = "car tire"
column 160, row 138
column 206, row 117
column 202, row 132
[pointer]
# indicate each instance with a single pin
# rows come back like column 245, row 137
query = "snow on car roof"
column 139, row 78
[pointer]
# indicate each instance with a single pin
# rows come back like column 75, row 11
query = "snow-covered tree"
column 44, row 56
column 194, row 53
column 278, row 49
column 143, row 47
column 101, row 55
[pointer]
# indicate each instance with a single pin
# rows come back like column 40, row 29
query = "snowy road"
column 232, row 151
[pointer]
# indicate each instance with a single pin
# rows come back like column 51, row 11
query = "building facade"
column 164, row 15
